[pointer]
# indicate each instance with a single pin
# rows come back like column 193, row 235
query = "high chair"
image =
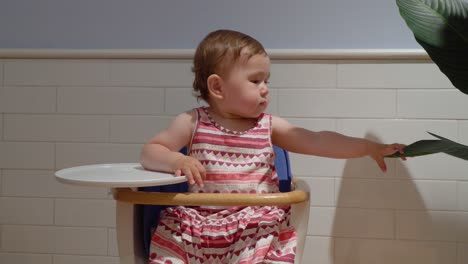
column 138, row 210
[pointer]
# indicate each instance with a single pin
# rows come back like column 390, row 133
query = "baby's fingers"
column 193, row 176
column 198, row 178
column 400, row 149
column 188, row 174
column 202, row 171
column 381, row 162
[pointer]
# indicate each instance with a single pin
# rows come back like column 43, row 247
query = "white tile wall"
column 25, row 258
column 300, row 74
column 96, row 241
column 68, row 128
column 136, row 129
column 437, row 104
column 1, row 72
column 179, row 100
column 321, row 191
column 391, row 75
column 273, row 104
column 428, row 167
column 396, row 194
column 318, row 250
column 71, row 259
column 316, row 166
column 26, row 211
column 398, row 130
column 42, row 183
column 351, row 222
column 463, row 253
column 25, row 99
column 371, row 251
column 62, row 113
column 80, row 212
column 56, row 72
column 161, row 73
column 75, row 154
column 463, row 132
column 462, row 192
column 336, row 103
column 110, row 100
column 314, row 123
column 26, row 155
column 112, row 250
column 24, row 239
column 1, row 127
column 462, row 235
column 427, row 225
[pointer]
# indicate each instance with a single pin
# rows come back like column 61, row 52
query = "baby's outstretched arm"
column 329, row 144
column 161, row 153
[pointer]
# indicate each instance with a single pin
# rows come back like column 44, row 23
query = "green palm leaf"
column 426, row 147
column 441, row 28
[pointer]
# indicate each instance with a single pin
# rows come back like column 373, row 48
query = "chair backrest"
column 150, row 213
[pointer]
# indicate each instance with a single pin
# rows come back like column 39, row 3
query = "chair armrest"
column 209, row 199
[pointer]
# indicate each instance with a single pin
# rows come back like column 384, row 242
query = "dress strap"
column 198, row 112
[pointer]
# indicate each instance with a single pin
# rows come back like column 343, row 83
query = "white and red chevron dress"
column 235, row 162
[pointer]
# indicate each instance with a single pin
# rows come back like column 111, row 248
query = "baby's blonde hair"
column 217, row 53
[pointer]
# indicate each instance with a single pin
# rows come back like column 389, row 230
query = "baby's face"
column 246, row 91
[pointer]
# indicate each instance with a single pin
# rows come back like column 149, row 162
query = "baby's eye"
column 260, row 81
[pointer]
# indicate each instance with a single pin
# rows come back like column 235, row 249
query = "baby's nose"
column 264, row 90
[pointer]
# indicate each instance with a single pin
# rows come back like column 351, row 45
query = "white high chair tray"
column 116, row 175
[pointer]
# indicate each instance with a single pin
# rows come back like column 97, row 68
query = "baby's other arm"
column 161, row 153
column 328, row 144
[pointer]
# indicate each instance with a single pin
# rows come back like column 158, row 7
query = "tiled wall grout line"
column 396, row 103
column 3, row 72
column 56, row 100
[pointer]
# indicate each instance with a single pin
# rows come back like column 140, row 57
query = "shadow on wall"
column 379, row 216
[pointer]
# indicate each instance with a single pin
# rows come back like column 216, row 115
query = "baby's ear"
column 215, row 86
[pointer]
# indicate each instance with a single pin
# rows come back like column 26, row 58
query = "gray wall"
column 158, row 24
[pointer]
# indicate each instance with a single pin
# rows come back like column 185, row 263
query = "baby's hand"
column 192, row 169
column 379, row 151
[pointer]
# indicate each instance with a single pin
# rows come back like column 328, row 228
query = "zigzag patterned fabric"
column 236, row 162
